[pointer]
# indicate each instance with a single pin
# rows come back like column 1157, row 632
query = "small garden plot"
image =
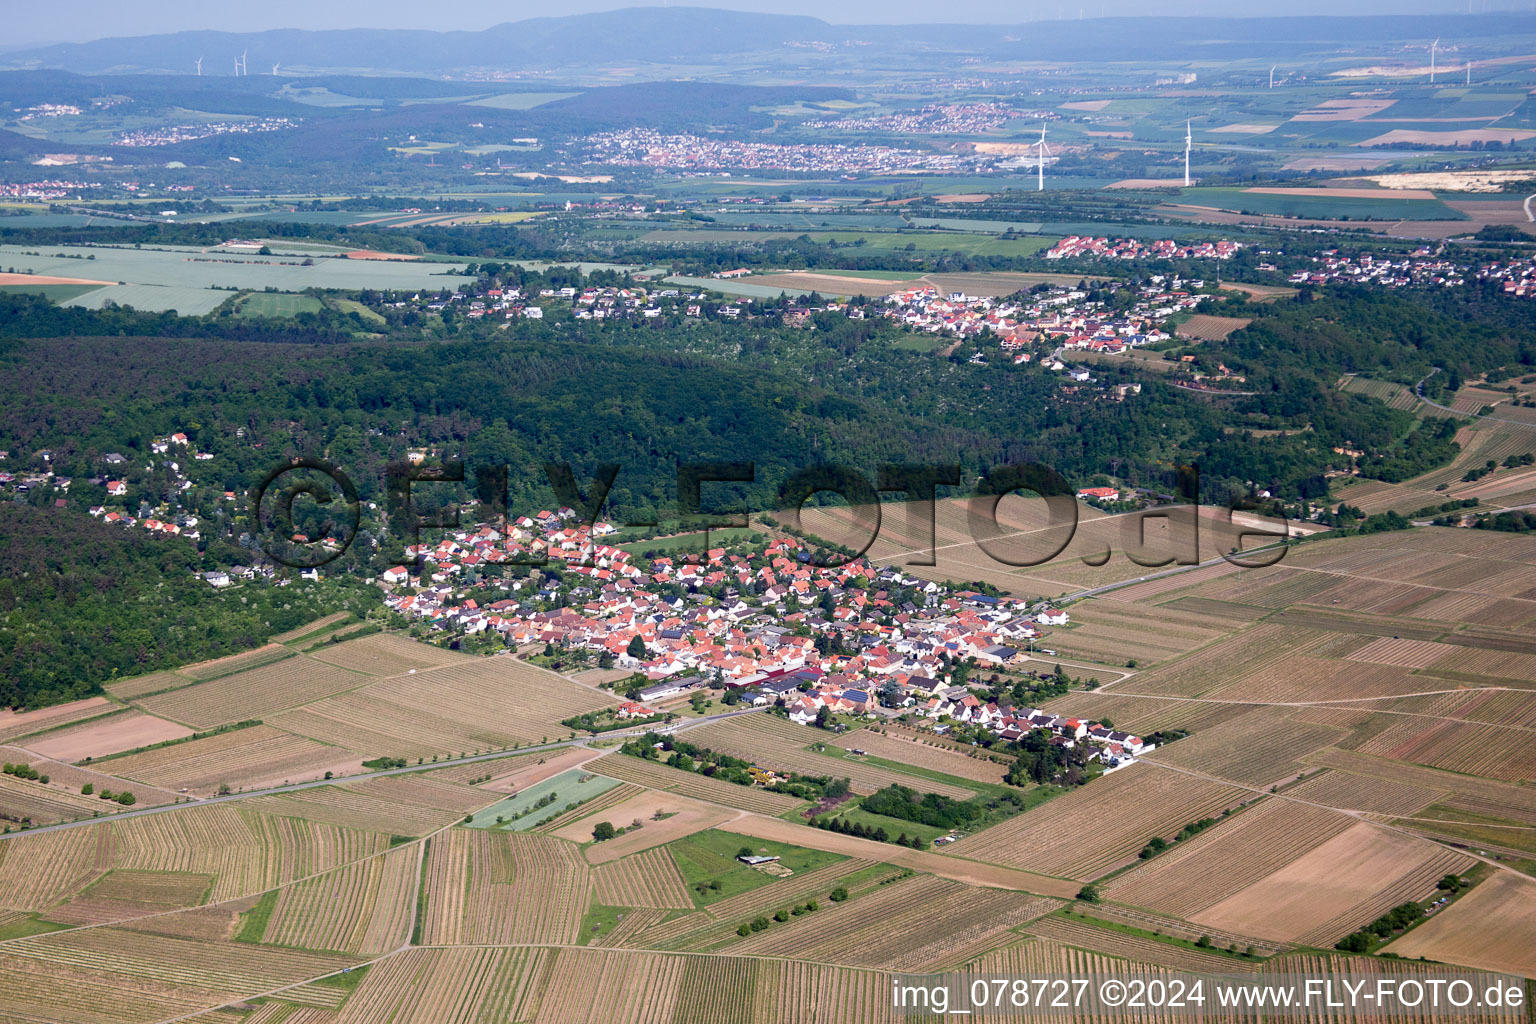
column 711, row 857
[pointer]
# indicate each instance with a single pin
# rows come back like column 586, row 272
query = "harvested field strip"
column 1414, row 884
column 254, row 693
column 361, row 908
column 647, row 879
column 1097, row 939
column 691, row 784
column 922, row 755
column 1490, row 928
column 1097, row 827
column 385, row 654
column 13, row 724
column 1256, row 749
column 479, row 703
column 110, row 734
column 920, row 924
column 612, row 798
column 778, row 743
column 488, row 887
column 1336, row 887
column 1204, row 870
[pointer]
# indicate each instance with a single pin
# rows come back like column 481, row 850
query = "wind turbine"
column 237, row 67
column 1188, row 141
column 274, row 69
column 199, row 67
column 1040, row 185
column 1272, row 75
column 1469, row 70
column 244, row 67
column 1434, row 46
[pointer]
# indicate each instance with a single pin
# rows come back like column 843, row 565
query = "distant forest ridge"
column 671, row 35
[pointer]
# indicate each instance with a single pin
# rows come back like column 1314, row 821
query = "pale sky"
column 32, row 23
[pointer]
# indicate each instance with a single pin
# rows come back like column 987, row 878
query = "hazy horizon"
column 97, row 19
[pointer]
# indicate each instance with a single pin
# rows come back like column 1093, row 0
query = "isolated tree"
column 603, row 830
column 1089, row 893
column 636, row 648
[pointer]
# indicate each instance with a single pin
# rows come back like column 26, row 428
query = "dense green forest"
column 82, row 602
column 251, row 393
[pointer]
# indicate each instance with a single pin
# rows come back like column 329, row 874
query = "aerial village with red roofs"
column 760, row 625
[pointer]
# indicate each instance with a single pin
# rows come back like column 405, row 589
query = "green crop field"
column 1321, row 207
column 191, row 281
column 277, row 304
column 710, row 856
column 567, row 788
column 54, row 292
column 939, row 241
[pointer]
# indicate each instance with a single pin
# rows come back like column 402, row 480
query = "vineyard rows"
column 486, row 886
column 254, row 693
column 1458, row 747
column 226, row 967
column 920, row 924
column 1097, row 827
column 385, row 654
column 648, row 879
column 448, row 986
column 1256, row 749
column 338, row 805
column 361, row 908
column 1359, row 793
column 1204, row 870
column 237, row 758
column 1072, row 932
